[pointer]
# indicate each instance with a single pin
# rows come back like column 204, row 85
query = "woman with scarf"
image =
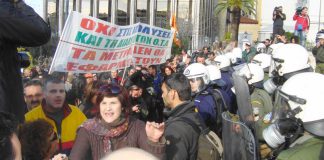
column 113, row 128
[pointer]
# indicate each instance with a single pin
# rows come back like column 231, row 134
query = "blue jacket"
column 157, row 83
column 206, row 107
column 231, row 98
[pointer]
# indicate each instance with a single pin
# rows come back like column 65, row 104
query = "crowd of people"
column 261, row 102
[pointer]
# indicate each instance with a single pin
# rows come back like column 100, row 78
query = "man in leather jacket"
column 20, row 25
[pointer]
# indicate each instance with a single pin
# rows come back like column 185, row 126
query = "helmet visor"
column 196, row 84
column 286, row 106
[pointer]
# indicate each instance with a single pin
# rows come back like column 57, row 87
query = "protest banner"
column 92, row 45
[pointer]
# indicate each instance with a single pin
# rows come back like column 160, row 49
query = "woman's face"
column 110, row 109
column 167, row 71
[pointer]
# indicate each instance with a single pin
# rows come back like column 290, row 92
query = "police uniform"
column 262, row 106
column 306, row 147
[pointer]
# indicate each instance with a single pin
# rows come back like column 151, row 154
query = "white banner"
column 92, row 45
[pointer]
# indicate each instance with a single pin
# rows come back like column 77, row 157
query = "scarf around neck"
column 107, row 131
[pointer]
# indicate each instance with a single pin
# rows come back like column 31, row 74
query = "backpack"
column 209, row 144
column 220, row 107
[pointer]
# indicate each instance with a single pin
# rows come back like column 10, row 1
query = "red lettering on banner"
column 156, row 60
column 162, row 53
column 112, row 31
column 115, row 56
column 87, row 24
column 87, row 67
column 90, row 55
column 145, row 61
column 77, row 52
column 142, row 50
column 102, row 28
column 105, row 56
column 71, row 66
column 112, row 65
column 137, row 60
column 147, row 51
column 157, row 52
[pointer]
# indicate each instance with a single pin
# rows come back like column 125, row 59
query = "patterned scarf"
column 108, row 131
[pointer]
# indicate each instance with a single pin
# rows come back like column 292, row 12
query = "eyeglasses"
column 54, row 138
column 110, row 88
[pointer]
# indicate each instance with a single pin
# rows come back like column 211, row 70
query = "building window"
column 105, row 10
column 161, row 14
column 123, row 12
column 86, row 7
column 142, row 11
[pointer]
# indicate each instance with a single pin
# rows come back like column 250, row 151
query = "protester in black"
column 20, row 25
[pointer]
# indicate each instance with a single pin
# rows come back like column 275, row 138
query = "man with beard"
column 33, row 93
column 63, row 117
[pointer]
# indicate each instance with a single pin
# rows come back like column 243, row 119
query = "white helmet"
column 253, row 72
column 234, row 55
column 289, row 58
column 214, row 72
column 222, row 61
column 261, row 47
column 274, row 47
column 196, row 70
column 262, row 60
column 304, row 93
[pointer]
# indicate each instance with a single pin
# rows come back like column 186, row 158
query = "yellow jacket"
column 73, row 118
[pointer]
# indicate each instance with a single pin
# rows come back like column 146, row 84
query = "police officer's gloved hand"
column 265, row 151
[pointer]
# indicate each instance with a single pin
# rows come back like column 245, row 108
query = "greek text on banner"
column 92, row 45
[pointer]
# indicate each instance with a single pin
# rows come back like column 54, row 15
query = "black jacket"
column 182, row 140
column 20, row 25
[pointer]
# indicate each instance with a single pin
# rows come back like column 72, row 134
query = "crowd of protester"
column 164, row 111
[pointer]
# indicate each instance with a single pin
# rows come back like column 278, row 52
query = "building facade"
column 195, row 18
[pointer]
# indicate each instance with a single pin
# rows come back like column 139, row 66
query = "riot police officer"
column 297, row 128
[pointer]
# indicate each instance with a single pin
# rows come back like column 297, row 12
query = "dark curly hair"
column 8, row 127
column 33, row 137
column 110, row 91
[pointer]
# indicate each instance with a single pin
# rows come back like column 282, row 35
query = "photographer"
column 20, row 25
column 302, row 24
column 278, row 17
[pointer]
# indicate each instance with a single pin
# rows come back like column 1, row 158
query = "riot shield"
column 238, row 140
column 243, row 99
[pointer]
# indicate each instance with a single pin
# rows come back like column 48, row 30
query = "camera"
column 278, row 10
column 299, row 10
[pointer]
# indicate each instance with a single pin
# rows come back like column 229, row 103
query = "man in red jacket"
column 302, row 24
